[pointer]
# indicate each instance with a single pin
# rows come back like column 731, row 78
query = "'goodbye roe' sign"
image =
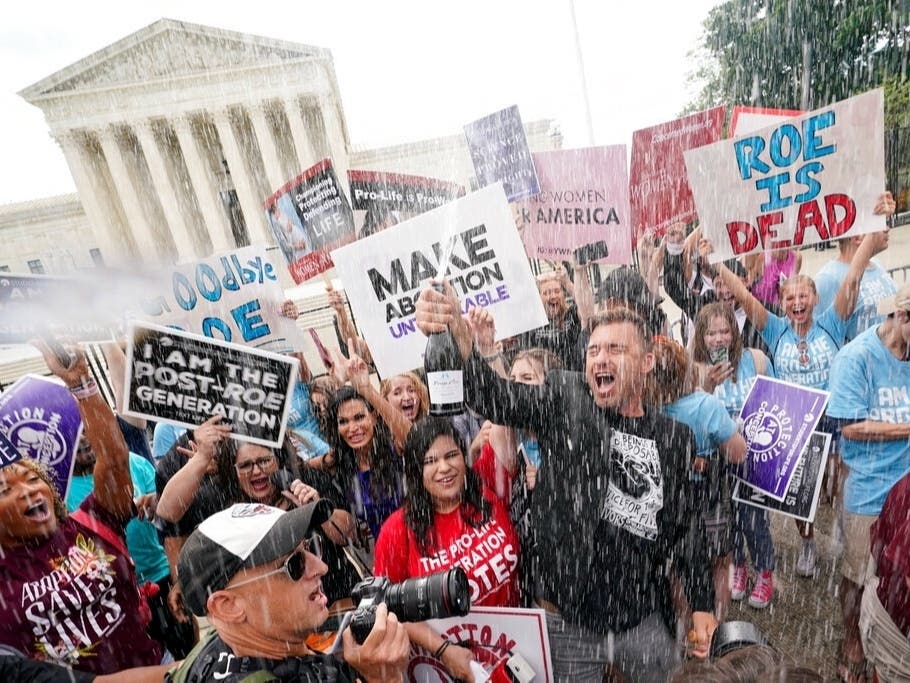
column 235, row 298
column 812, row 179
column 185, row 379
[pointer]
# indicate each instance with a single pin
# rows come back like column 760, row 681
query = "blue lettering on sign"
column 211, row 325
column 251, row 326
column 785, row 146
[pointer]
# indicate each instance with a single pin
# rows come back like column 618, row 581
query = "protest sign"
column 499, row 150
column 493, row 634
column 309, row 216
column 658, row 189
column 814, row 178
column 583, row 200
column 30, row 303
column 778, row 420
column 750, row 119
column 40, row 418
column 389, row 198
column 384, row 274
column 186, row 378
column 801, row 500
column 236, row 297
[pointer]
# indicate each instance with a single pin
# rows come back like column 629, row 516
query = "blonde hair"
column 385, row 388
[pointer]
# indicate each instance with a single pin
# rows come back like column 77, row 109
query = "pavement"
column 804, row 619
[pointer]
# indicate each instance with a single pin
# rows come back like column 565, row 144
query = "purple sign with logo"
column 499, row 150
column 778, row 421
column 41, row 420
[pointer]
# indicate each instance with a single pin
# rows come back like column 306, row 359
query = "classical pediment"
column 168, row 49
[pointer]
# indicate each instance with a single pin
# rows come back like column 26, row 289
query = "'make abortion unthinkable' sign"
column 186, row 378
column 810, row 179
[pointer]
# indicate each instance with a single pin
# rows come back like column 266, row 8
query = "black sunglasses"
column 294, row 566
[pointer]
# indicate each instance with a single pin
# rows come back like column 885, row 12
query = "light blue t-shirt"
column 869, row 383
column 309, row 441
column 733, row 394
column 824, row 339
column 707, row 417
column 875, row 285
column 141, row 536
column 165, row 436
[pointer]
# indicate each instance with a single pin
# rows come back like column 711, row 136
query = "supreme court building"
column 175, row 135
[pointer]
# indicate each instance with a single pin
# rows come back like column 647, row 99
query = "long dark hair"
column 384, row 464
column 418, row 509
column 226, row 458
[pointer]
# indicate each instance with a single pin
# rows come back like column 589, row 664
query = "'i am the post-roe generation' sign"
column 812, row 179
column 384, row 274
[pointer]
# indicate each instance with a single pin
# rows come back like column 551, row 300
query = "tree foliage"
column 800, row 54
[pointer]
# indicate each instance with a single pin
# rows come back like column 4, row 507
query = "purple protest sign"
column 778, row 421
column 499, row 150
column 41, row 420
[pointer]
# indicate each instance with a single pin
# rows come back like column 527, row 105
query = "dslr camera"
column 440, row 595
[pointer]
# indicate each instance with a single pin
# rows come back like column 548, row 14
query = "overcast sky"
column 407, row 70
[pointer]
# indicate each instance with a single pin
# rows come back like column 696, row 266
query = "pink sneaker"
column 740, row 580
column 762, row 591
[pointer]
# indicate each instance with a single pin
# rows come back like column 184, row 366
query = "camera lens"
column 440, row 595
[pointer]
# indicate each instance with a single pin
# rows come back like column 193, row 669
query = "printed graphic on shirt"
column 805, row 363
column 75, row 606
column 635, row 494
column 486, row 554
column 892, row 405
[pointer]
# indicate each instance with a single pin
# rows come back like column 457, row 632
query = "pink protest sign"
column 658, row 186
column 583, row 200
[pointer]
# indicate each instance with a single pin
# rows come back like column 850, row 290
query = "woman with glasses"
column 448, row 520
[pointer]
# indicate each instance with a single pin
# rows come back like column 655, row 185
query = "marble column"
column 112, row 243
column 335, row 137
column 306, row 155
column 128, row 194
column 204, row 186
column 167, row 193
column 266, row 139
column 250, row 203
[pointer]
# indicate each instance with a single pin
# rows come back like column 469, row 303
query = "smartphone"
column 719, row 356
column 591, row 252
column 324, row 354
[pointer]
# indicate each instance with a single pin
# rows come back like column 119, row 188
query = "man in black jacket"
column 611, row 510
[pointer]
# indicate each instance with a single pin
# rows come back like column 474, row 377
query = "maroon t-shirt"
column 73, row 599
column 891, row 550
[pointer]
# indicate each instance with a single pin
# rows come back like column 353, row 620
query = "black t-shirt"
column 216, row 662
column 209, row 499
column 562, row 340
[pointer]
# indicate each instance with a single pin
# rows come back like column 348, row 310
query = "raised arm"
column 181, row 489
column 755, row 309
column 359, row 376
column 113, row 485
column 116, row 366
column 584, row 294
column 848, row 292
column 346, row 326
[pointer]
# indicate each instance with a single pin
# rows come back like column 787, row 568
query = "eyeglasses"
column 263, row 464
column 294, row 566
column 449, row 457
column 803, row 348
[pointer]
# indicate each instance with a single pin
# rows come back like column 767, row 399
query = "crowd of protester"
column 589, row 476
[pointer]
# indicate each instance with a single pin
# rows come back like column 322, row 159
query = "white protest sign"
column 384, row 274
column 494, row 635
column 235, row 297
column 811, row 179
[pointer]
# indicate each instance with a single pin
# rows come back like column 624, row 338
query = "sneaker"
column 808, row 557
column 739, row 582
column 762, row 591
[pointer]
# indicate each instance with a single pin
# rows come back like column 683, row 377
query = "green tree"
column 799, row 54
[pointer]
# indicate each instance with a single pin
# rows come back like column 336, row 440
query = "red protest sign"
column 658, row 187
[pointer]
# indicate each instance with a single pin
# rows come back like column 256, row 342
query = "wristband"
column 441, row 649
column 86, row 389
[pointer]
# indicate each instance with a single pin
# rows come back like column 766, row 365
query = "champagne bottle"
column 443, row 365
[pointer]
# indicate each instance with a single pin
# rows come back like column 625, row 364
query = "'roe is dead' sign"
column 186, row 378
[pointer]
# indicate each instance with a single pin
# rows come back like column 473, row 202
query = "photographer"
column 255, row 572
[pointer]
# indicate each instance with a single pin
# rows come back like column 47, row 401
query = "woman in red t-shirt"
column 449, row 520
